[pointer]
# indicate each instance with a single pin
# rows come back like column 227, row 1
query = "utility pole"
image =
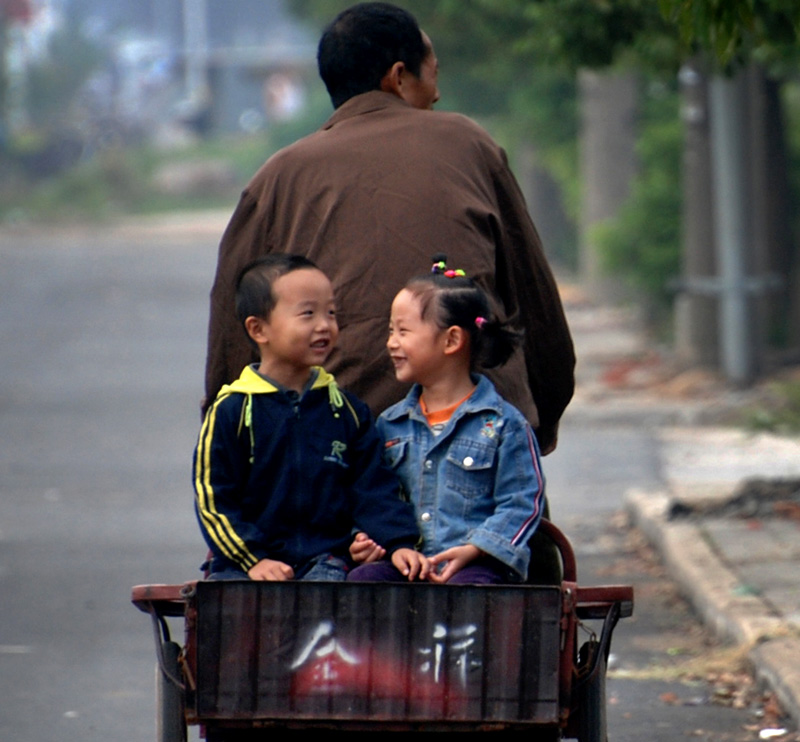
column 195, row 52
column 728, row 102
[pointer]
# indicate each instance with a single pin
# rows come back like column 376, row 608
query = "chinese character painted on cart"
column 453, row 647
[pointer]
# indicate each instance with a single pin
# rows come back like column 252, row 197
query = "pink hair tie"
column 480, row 322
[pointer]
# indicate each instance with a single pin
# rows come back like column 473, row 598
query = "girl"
column 467, row 460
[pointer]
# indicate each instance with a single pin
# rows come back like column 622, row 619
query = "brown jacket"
column 370, row 198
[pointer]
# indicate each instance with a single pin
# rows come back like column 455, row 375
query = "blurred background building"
column 165, row 64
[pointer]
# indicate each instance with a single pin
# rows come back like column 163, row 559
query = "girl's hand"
column 270, row 570
column 364, row 549
column 412, row 564
column 454, row 559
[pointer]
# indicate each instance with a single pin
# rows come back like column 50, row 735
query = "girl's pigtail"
column 496, row 341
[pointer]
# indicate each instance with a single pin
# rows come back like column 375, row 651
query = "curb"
column 711, row 588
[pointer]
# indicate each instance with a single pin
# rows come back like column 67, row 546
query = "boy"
column 286, row 464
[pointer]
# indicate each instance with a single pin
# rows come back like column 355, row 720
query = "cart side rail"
column 163, row 600
column 595, row 602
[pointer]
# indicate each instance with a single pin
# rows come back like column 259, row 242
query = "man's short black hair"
column 362, row 43
column 255, row 296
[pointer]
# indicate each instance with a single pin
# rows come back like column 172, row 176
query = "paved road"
column 102, row 354
column 102, row 338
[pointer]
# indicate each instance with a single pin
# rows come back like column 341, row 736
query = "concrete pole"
column 195, row 45
column 728, row 99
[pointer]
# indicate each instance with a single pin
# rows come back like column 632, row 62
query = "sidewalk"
column 727, row 522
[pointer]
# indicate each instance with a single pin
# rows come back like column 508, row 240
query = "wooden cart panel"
column 406, row 653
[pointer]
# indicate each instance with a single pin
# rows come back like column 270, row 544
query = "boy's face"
column 301, row 330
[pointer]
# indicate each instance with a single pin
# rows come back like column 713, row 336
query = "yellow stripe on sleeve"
column 217, row 524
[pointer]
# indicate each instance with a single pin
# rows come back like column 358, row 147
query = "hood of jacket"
column 250, row 382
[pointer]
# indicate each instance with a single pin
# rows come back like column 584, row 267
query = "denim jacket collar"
column 484, row 397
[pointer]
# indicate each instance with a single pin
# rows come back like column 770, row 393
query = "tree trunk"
column 608, row 165
column 776, row 257
column 546, row 206
column 695, row 310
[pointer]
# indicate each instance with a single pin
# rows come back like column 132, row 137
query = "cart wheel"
column 170, row 719
column 592, row 699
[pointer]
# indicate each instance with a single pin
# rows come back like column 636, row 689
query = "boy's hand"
column 364, row 549
column 411, row 563
column 454, row 559
column 270, row 570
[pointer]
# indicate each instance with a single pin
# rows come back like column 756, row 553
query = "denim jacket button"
column 425, row 517
column 469, row 461
column 428, row 464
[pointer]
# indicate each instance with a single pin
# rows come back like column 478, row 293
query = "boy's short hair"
column 255, row 296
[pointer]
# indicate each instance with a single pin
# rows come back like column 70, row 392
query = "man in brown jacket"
column 372, row 196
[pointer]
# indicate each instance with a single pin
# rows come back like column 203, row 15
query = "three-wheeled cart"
column 263, row 656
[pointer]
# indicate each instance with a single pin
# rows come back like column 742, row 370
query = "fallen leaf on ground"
column 671, row 699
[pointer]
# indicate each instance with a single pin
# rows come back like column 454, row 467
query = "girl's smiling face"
column 416, row 345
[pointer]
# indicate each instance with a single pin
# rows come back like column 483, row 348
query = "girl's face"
column 416, row 346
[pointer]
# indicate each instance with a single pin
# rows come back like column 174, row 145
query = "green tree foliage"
column 737, row 31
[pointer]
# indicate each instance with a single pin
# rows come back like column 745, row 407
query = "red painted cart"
column 258, row 656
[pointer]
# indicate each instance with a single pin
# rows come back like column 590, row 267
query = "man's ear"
column 455, row 340
column 256, row 329
column 392, row 81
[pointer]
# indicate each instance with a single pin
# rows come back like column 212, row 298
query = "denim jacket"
column 478, row 482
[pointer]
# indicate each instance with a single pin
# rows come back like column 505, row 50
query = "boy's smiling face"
column 301, row 330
